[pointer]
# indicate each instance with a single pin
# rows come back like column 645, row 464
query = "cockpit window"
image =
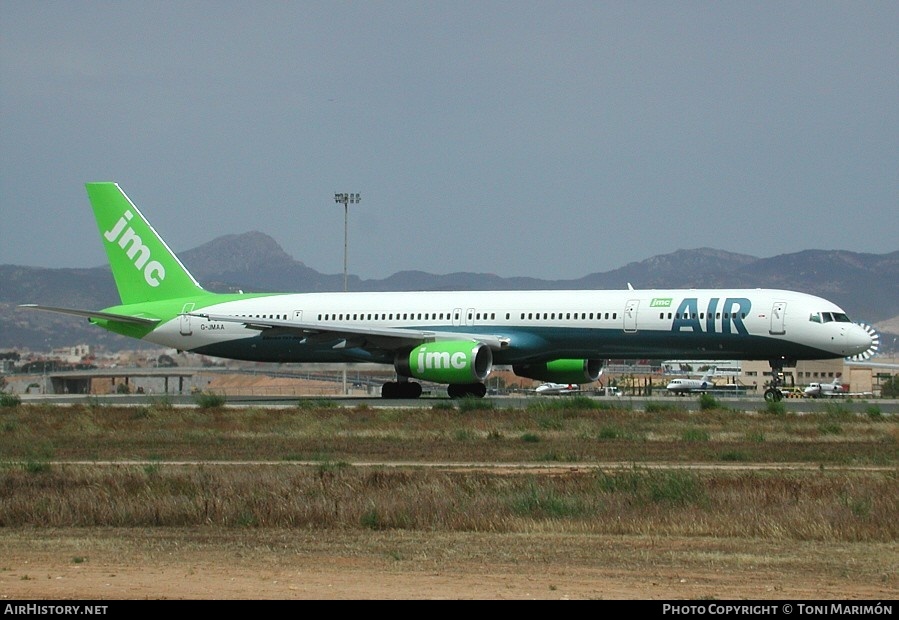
column 827, row 317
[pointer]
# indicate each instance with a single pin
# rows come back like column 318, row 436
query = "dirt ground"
column 167, row 563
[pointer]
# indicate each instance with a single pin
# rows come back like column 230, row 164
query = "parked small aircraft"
column 686, row 386
column 819, row 390
column 557, row 389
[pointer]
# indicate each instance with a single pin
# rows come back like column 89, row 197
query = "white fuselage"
column 658, row 324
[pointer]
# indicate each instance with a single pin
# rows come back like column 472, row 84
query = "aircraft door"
column 630, row 316
column 298, row 315
column 185, row 319
column 778, row 311
column 469, row 316
column 457, row 317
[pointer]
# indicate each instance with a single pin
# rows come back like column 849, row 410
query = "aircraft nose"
column 857, row 339
column 860, row 341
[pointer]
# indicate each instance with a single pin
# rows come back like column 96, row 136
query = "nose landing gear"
column 774, row 394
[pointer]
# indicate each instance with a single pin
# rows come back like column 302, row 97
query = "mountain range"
column 866, row 286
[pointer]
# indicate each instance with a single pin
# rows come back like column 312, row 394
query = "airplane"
column 554, row 389
column 686, row 386
column 549, row 388
column 819, row 390
column 452, row 337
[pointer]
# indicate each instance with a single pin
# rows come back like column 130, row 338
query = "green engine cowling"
column 450, row 361
column 561, row 371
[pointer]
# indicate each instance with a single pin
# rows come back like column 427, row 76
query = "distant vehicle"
column 820, row 390
column 687, row 386
column 557, row 389
column 792, row 392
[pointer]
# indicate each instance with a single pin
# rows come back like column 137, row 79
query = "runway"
column 737, row 404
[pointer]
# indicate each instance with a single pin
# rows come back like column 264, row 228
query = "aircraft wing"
column 92, row 314
column 380, row 337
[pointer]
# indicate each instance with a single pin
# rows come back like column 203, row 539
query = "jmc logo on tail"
column 138, row 252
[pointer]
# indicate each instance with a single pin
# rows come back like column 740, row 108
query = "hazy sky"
column 550, row 139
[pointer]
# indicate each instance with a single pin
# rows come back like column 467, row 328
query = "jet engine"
column 561, row 371
column 450, row 361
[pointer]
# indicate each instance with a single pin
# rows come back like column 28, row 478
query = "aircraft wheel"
column 773, row 395
column 390, row 390
column 461, row 390
column 410, row 389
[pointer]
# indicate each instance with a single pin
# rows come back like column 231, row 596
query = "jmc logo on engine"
column 434, row 360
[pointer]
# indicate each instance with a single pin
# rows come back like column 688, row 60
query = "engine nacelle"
column 449, row 361
column 561, row 371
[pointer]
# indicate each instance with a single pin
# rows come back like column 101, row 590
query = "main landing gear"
column 403, row 388
column 462, row 390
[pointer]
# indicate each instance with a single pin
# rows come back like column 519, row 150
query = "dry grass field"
column 560, row 500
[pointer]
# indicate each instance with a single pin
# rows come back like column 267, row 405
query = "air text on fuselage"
column 730, row 314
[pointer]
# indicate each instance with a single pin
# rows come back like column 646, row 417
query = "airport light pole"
column 346, row 200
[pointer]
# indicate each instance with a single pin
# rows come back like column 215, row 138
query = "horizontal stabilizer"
column 91, row 314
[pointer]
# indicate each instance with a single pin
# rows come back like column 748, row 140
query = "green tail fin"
column 144, row 267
